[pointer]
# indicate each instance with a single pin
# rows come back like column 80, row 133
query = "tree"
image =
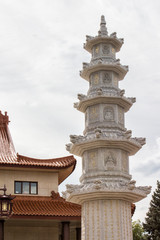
column 152, row 221
column 138, row 231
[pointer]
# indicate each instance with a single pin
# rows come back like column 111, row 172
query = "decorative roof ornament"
column 103, row 29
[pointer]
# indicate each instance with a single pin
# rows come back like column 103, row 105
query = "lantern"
column 5, row 209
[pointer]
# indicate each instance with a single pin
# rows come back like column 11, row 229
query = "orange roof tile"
column 54, row 206
column 9, row 158
column 20, row 160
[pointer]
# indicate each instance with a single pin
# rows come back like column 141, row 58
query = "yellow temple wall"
column 32, row 230
column 47, row 181
column 36, row 229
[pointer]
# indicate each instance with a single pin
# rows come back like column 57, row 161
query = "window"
column 21, row 187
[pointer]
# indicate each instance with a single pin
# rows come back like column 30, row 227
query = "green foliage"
column 138, row 231
column 152, row 221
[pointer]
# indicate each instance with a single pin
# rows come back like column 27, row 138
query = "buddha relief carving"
column 105, row 49
column 110, row 161
column 107, row 78
column 109, row 114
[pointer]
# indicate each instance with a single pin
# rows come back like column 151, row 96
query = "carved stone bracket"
column 102, row 186
column 132, row 99
column 99, row 133
column 140, row 140
column 76, row 138
column 81, row 96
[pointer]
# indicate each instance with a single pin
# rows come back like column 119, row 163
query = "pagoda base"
column 106, row 208
column 106, row 219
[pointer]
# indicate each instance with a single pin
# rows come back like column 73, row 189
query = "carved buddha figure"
column 109, row 114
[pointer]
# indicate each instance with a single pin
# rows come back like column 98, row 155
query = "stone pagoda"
column 106, row 189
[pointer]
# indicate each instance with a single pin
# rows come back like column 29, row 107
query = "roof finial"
column 103, row 29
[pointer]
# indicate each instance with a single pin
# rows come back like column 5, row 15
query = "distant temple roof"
column 8, row 157
column 51, row 207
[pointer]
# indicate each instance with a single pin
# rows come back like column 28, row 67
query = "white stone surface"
column 107, row 189
column 106, row 219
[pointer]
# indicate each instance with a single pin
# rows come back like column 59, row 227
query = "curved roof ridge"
column 61, row 162
column 9, row 158
column 20, row 157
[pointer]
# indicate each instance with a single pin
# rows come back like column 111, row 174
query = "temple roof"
column 52, row 207
column 54, row 163
column 9, row 158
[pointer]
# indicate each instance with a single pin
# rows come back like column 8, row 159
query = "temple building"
column 106, row 190
column 39, row 212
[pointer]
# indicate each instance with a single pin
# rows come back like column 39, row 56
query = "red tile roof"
column 39, row 206
column 20, row 160
column 54, row 206
column 9, row 158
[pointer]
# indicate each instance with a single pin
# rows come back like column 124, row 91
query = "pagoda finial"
column 103, row 29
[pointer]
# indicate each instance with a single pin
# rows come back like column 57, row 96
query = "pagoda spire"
column 103, row 29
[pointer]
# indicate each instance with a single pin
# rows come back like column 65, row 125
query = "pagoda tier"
column 106, row 190
column 101, row 97
column 100, row 64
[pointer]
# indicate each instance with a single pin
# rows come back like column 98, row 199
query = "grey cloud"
column 149, row 168
column 41, row 53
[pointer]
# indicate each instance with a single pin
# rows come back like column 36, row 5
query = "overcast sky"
column 41, row 54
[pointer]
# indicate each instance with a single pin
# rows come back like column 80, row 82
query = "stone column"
column 65, row 231
column 106, row 219
column 78, row 233
column 106, row 188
